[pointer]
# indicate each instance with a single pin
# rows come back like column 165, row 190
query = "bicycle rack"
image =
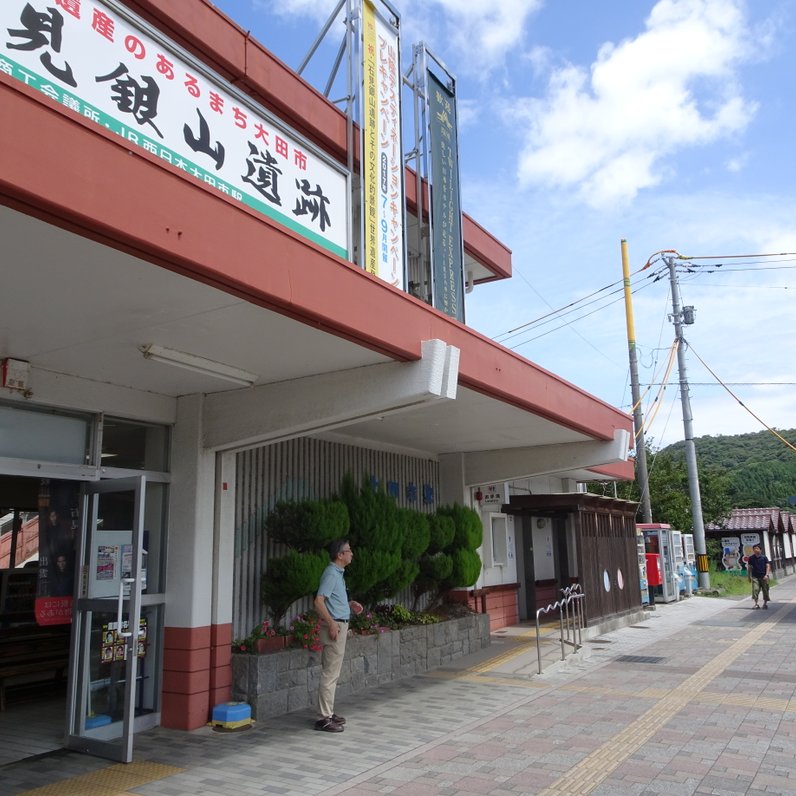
column 570, row 620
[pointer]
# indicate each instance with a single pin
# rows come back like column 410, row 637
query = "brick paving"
column 699, row 697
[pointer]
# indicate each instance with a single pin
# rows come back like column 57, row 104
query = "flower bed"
column 288, row 680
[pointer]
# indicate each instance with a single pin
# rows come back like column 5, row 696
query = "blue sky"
column 670, row 124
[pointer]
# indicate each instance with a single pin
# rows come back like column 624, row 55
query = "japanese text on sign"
column 98, row 61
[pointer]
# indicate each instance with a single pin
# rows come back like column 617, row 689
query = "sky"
column 669, row 124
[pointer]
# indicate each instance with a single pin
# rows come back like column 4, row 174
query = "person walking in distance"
column 334, row 609
column 759, row 569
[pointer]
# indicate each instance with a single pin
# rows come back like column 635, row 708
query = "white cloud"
column 737, row 164
column 316, row 9
column 486, row 27
column 607, row 132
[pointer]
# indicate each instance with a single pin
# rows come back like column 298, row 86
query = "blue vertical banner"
column 446, row 213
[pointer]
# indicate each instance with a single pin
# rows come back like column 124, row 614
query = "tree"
column 307, row 525
column 289, row 578
column 669, row 492
column 388, row 542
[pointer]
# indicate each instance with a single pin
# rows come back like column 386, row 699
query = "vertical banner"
column 446, row 213
column 59, row 522
column 382, row 151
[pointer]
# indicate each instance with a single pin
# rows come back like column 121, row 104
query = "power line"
column 585, row 339
column 728, row 256
column 762, row 422
column 564, row 310
column 732, row 383
column 575, row 320
column 749, row 287
column 740, row 270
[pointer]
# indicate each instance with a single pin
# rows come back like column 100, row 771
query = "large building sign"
column 100, row 61
column 446, row 214
column 382, row 153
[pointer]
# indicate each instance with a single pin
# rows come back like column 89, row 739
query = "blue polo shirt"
column 333, row 588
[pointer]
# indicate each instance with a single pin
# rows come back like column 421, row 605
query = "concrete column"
column 223, row 579
column 188, row 637
column 452, row 484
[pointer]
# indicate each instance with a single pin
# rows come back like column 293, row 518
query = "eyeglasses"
column 347, row 550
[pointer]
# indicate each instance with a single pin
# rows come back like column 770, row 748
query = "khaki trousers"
column 758, row 585
column 331, row 663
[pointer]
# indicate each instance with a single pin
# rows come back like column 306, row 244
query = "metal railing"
column 570, row 619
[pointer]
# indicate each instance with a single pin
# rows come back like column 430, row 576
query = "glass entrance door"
column 115, row 652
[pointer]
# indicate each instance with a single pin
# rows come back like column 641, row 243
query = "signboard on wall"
column 382, row 151
column 446, row 213
column 492, row 496
column 100, row 61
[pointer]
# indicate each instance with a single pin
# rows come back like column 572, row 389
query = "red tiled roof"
column 762, row 519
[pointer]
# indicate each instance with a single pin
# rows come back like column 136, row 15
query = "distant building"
column 772, row 528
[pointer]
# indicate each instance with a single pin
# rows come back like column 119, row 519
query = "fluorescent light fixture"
column 206, row 367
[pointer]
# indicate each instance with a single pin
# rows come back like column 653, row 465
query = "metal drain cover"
column 639, row 659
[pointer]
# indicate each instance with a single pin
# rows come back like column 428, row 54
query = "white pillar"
column 452, row 485
column 224, row 539
column 191, row 515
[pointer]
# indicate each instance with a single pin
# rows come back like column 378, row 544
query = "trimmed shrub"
column 289, row 578
column 466, row 568
column 469, row 530
column 417, row 534
column 442, row 529
column 307, row 525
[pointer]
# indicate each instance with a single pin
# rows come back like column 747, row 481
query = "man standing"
column 759, row 569
column 334, row 609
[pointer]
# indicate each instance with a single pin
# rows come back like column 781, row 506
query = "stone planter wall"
column 284, row 681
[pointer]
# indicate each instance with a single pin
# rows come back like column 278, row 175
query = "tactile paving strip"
column 111, row 781
column 598, row 766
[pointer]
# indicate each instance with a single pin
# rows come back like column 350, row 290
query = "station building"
column 179, row 353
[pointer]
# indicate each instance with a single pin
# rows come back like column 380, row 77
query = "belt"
column 339, row 620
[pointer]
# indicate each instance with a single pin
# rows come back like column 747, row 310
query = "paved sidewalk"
column 696, row 698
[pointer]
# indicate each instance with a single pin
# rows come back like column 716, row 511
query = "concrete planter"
column 284, row 681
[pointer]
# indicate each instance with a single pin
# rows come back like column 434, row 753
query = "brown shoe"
column 337, row 719
column 328, row 725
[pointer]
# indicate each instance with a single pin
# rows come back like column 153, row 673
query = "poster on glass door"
column 111, row 563
column 59, row 521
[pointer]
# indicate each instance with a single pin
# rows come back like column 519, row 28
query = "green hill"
column 761, row 468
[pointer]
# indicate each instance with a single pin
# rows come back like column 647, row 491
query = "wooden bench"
column 25, row 651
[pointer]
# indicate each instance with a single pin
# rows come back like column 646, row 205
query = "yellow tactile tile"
column 111, row 781
column 598, row 766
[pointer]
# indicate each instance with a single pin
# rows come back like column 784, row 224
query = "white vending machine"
column 658, row 540
column 642, row 569
column 689, row 565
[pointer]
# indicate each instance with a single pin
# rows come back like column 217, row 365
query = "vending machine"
column 679, row 562
column 658, row 540
column 642, row 568
column 689, row 564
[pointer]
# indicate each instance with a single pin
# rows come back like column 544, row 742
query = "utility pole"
column 679, row 317
column 642, row 475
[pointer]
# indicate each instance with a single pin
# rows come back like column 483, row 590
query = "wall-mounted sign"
column 446, row 213
column 382, row 151
column 100, row 61
column 493, row 496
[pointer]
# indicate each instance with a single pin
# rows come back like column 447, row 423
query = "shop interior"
column 34, row 659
